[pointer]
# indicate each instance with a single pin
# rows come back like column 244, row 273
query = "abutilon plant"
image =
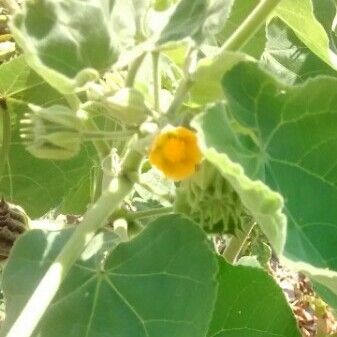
column 164, row 126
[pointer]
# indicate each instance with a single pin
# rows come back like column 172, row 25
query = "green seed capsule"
column 210, row 200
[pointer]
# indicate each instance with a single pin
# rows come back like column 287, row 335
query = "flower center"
column 174, row 150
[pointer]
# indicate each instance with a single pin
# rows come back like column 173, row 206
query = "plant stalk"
column 237, row 242
column 186, row 83
column 134, row 67
column 6, row 137
column 94, row 218
column 156, row 79
column 180, row 95
column 249, row 26
column 101, row 146
column 149, row 213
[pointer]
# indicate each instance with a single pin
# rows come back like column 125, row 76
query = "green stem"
column 73, row 101
column 149, row 213
column 101, row 146
column 237, row 242
column 130, row 79
column 180, row 95
column 108, row 135
column 6, row 137
column 156, row 79
column 186, row 83
column 250, row 25
column 93, row 219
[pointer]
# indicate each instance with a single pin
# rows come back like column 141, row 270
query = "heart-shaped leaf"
column 66, row 42
column 147, row 287
column 250, row 304
column 285, row 137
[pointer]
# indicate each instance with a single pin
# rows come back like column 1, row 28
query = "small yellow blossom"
column 176, row 153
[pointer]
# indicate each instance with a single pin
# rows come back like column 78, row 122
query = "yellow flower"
column 176, row 153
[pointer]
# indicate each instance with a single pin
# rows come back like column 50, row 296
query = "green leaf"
column 250, row 304
column 195, row 20
column 186, row 21
column 218, row 12
column 240, row 10
column 325, row 12
column 287, row 56
column 327, row 295
column 128, row 20
column 207, row 79
column 66, row 42
column 299, row 16
column 225, row 150
column 19, row 85
column 149, row 286
column 287, row 139
column 39, row 185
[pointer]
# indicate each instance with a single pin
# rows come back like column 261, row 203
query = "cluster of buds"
column 210, row 200
column 51, row 133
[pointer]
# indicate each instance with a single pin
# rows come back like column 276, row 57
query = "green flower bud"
column 210, row 200
column 51, row 133
column 127, row 106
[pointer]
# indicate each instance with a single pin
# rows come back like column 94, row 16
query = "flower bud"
column 127, row 106
column 51, row 133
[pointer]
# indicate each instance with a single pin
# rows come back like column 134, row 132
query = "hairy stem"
column 237, row 242
column 93, row 219
column 6, row 137
column 156, row 79
column 180, row 96
column 149, row 213
column 102, row 147
column 73, row 101
column 250, row 25
column 134, row 67
column 186, row 83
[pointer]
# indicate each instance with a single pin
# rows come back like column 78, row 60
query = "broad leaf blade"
column 147, row 287
column 207, row 79
column 185, row 21
column 128, row 20
column 19, row 85
column 66, row 42
column 39, row 185
column 250, row 304
column 292, row 142
column 195, row 20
